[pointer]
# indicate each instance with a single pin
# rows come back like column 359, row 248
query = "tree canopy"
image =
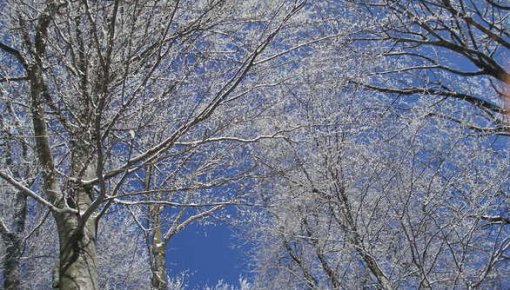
column 353, row 144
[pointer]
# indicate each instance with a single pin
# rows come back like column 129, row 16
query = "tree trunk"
column 159, row 279
column 77, row 264
column 12, row 262
column 77, row 268
column 375, row 269
column 14, row 243
column 13, row 238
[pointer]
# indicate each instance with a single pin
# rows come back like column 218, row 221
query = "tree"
column 413, row 212
column 16, row 154
column 445, row 50
column 357, row 127
column 122, row 258
column 95, row 76
column 379, row 192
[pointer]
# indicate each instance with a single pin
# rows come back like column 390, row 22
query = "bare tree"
column 140, row 115
column 16, row 155
column 371, row 193
column 96, row 77
column 444, row 50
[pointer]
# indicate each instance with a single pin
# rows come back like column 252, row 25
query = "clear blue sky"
column 208, row 254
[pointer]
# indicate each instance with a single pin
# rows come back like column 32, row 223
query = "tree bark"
column 14, row 244
column 12, row 262
column 159, row 278
column 13, row 237
column 77, row 268
column 77, row 265
column 375, row 269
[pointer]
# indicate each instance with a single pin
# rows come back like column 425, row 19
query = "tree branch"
column 26, row 191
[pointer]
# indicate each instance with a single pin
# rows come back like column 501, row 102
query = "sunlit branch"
column 26, row 191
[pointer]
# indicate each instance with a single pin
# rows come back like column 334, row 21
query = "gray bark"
column 14, row 244
column 13, row 236
column 159, row 278
column 12, row 261
column 77, row 268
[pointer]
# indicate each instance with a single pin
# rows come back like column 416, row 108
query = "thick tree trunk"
column 77, row 265
column 77, row 268
column 77, row 232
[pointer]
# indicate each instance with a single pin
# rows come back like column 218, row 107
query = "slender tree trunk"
column 357, row 241
column 14, row 243
column 159, row 278
column 375, row 269
column 332, row 275
column 12, row 262
column 14, row 239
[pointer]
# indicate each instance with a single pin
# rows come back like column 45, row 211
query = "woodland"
column 352, row 144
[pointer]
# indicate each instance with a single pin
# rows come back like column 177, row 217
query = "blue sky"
column 208, row 255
